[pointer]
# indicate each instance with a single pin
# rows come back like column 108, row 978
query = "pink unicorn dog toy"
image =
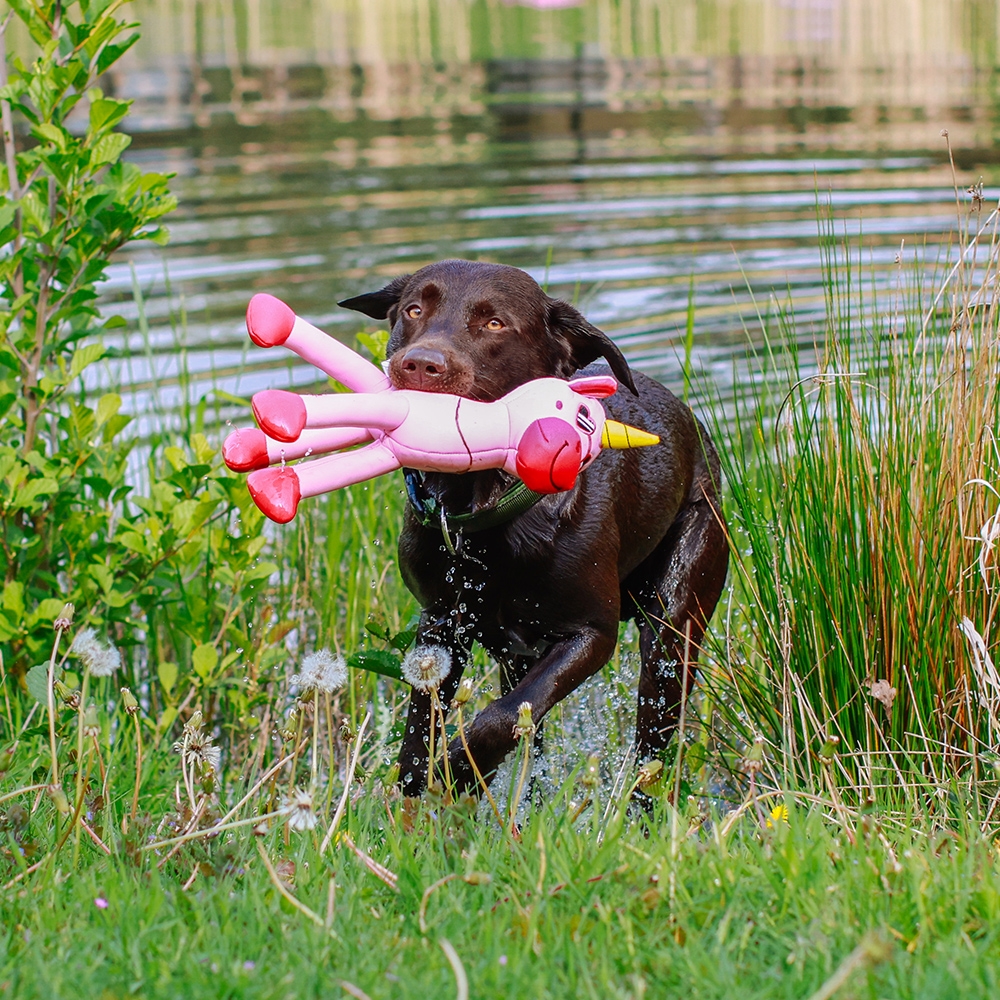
column 544, row 432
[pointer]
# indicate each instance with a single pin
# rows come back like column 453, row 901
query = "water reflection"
column 617, row 150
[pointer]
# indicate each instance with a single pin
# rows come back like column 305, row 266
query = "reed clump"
column 864, row 472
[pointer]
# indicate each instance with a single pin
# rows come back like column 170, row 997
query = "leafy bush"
column 172, row 569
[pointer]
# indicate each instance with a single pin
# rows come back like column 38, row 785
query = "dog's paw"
column 276, row 492
column 269, row 320
column 245, row 450
column 280, row 414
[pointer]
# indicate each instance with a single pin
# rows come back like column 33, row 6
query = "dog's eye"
column 414, row 311
column 494, row 324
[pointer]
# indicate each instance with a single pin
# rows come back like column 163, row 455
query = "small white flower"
column 298, row 807
column 321, row 671
column 426, row 666
column 100, row 660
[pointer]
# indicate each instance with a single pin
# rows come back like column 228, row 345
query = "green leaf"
column 378, row 661
column 13, row 597
column 37, row 681
column 26, row 495
column 403, row 640
column 167, row 672
column 83, row 357
column 203, row 659
column 108, row 406
column 106, row 112
column 116, row 599
column 51, row 133
column 112, row 53
column 46, row 610
column 109, row 148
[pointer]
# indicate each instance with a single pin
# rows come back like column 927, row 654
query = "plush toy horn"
column 621, row 436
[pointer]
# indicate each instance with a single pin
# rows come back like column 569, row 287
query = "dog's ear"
column 586, row 343
column 381, row 304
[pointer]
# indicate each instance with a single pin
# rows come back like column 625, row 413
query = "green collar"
column 512, row 503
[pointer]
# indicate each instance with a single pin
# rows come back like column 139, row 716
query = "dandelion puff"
column 106, row 663
column 321, row 671
column 426, row 666
column 100, row 660
column 298, row 807
column 87, row 646
column 312, row 676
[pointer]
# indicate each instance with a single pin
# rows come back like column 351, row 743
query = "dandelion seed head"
column 298, row 807
column 197, row 748
column 106, row 662
column 321, row 671
column 99, row 660
column 425, row 667
column 86, row 645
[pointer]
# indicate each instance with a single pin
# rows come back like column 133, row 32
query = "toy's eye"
column 414, row 311
column 584, row 422
column 494, row 324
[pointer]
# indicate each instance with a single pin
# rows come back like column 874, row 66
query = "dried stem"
column 348, row 780
column 477, row 772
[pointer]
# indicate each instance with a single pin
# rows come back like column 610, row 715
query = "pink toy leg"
column 279, row 414
column 271, row 323
column 277, row 492
column 245, row 450
column 284, row 415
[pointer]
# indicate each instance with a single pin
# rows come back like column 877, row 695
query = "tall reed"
column 863, row 472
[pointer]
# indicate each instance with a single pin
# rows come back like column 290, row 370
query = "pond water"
column 624, row 152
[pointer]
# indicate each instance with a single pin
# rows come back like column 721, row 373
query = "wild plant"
column 863, row 533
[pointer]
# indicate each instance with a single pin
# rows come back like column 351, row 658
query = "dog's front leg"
column 565, row 666
column 435, row 629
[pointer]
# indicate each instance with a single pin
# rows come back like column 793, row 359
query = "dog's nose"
column 422, row 366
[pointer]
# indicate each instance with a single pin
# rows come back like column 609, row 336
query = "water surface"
column 624, row 153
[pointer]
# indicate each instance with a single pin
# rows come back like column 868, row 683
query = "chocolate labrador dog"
column 542, row 582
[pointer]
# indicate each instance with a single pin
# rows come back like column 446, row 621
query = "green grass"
column 693, row 912
column 860, row 471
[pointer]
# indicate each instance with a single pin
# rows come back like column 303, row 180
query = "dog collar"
column 512, row 503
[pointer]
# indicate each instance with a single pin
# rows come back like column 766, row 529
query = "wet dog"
column 543, row 583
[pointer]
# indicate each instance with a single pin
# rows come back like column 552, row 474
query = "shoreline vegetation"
column 197, row 795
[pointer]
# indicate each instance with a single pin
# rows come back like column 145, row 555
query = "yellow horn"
column 620, row 436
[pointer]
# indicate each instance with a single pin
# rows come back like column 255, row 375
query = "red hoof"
column 269, row 320
column 280, row 414
column 245, row 450
column 549, row 455
column 276, row 492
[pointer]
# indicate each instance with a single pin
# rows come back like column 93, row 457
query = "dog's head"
column 480, row 330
